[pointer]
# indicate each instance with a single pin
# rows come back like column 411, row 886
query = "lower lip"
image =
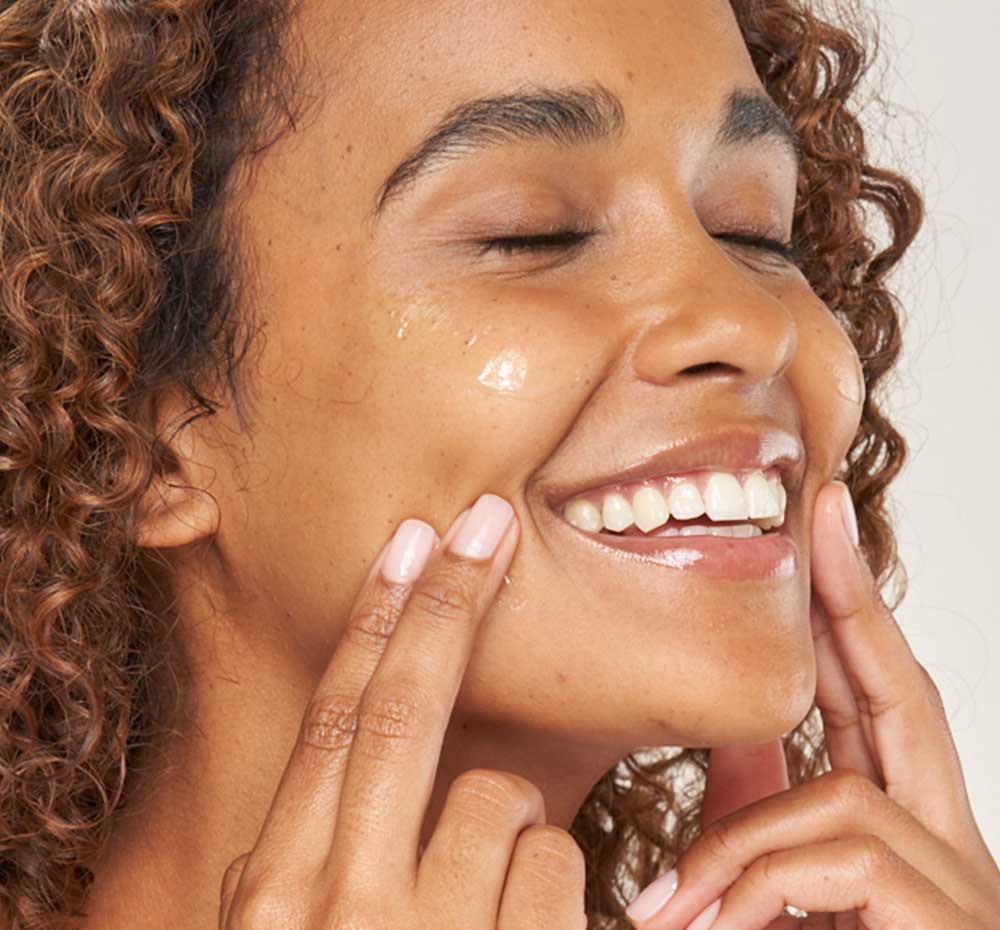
column 772, row 556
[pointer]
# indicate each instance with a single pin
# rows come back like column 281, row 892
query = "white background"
column 938, row 69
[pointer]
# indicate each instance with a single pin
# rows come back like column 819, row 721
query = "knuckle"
column 330, row 721
column 496, row 795
column 389, row 721
column 876, row 860
column 373, row 622
column 552, row 852
column 856, row 794
column 447, row 595
column 765, row 870
column 933, row 692
column 260, row 907
column 719, row 841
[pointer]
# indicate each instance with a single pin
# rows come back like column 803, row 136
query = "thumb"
column 740, row 774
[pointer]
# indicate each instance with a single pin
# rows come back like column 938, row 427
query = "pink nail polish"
column 483, row 528
column 653, row 897
column 707, row 917
column 850, row 517
column 408, row 551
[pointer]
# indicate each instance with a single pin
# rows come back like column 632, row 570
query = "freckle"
column 630, row 75
column 340, row 245
column 614, row 277
column 349, row 149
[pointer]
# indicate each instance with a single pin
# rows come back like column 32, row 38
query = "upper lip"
column 734, row 449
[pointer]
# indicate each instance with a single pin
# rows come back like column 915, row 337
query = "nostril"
column 721, row 367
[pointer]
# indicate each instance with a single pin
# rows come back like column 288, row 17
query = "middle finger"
column 407, row 705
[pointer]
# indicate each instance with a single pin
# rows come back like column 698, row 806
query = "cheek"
column 491, row 385
column 830, row 384
column 377, row 409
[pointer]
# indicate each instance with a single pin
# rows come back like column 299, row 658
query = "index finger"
column 912, row 742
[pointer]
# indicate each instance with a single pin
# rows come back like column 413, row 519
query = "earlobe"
column 175, row 513
column 178, row 507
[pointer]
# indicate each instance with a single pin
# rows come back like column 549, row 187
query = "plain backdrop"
column 937, row 68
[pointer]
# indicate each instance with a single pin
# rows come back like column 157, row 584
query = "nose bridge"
column 718, row 320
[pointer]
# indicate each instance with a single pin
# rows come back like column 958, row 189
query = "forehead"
column 393, row 65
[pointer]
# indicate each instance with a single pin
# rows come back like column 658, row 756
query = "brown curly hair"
column 122, row 128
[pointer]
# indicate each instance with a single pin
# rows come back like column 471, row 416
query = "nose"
column 719, row 321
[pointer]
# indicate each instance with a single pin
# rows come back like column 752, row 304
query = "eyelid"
column 790, row 251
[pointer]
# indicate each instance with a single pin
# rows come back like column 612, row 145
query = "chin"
column 767, row 707
column 760, row 705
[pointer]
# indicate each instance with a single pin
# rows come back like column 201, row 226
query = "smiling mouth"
column 730, row 525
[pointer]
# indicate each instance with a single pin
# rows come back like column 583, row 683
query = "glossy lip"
column 775, row 555
column 739, row 449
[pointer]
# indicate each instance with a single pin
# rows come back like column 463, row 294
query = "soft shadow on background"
column 937, row 69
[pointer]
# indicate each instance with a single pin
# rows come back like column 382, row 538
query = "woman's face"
column 405, row 370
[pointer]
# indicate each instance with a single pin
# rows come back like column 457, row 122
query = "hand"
column 339, row 846
column 886, row 840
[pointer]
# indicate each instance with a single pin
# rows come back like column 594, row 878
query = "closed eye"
column 562, row 239
column 791, row 251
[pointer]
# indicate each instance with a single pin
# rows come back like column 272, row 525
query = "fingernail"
column 850, row 517
column 653, row 897
column 408, row 551
column 483, row 528
column 707, row 917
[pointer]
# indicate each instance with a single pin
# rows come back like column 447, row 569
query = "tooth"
column 761, row 501
column 649, row 508
column 669, row 531
column 781, row 496
column 724, row 498
column 583, row 515
column 745, row 530
column 697, row 530
column 685, row 500
column 617, row 514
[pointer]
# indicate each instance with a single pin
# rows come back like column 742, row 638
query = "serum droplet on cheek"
column 506, row 371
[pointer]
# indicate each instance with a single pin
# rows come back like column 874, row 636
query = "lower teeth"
column 738, row 531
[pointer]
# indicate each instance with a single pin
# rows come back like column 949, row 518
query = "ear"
column 177, row 508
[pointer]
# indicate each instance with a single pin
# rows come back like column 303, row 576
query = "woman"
column 593, row 278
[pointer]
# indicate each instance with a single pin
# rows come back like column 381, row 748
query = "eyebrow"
column 567, row 116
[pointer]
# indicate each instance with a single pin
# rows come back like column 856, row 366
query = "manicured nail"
column 483, row 528
column 653, row 897
column 850, row 517
column 707, row 917
column 407, row 553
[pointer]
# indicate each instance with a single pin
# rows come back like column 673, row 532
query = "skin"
column 372, row 409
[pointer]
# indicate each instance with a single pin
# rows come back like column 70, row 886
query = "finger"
column 912, row 743
column 856, row 873
column 298, row 828
column 844, row 727
column 740, row 774
column 473, row 842
column 230, row 880
column 545, row 886
column 407, row 705
column 838, row 803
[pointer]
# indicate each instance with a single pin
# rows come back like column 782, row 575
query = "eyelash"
column 792, row 251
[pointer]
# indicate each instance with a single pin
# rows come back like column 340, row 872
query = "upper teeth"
column 722, row 496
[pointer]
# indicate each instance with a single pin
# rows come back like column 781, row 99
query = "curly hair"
column 123, row 127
